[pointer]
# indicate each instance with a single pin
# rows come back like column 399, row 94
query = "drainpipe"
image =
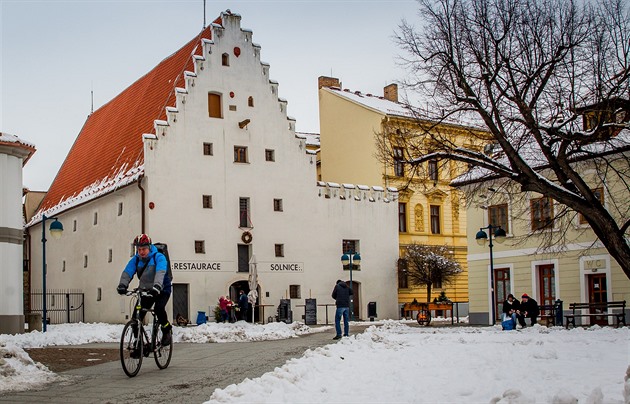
column 142, row 202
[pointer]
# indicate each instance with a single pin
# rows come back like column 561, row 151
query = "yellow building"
column 550, row 251
column 430, row 211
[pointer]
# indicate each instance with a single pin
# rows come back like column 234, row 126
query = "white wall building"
column 14, row 153
column 199, row 154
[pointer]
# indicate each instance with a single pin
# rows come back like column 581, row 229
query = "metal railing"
column 61, row 306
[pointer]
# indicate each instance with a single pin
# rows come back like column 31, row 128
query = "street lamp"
column 348, row 259
column 482, row 237
column 56, row 228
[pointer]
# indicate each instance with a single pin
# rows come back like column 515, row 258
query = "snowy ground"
column 394, row 363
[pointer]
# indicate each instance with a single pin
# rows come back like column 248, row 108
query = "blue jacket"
column 151, row 271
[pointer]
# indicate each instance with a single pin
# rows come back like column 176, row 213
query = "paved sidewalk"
column 196, row 370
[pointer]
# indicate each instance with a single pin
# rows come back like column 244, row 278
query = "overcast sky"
column 54, row 53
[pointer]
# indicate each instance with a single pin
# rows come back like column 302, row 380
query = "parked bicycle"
column 135, row 343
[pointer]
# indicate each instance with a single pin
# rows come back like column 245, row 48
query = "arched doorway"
column 235, row 289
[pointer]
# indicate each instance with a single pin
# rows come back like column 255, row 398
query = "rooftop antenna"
column 204, row 14
column 92, row 96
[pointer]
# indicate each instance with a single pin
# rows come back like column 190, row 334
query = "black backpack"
column 163, row 248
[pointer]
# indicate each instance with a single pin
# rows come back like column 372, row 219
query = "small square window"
column 207, row 201
column 279, row 250
column 110, row 255
column 120, row 208
column 270, row 155
column 232, row 107
column 277, row 205
column 295, row 292
column 208, row 149
column 200, row 247
column 240, row 154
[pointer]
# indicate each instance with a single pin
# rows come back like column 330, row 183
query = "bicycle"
column 135, row 343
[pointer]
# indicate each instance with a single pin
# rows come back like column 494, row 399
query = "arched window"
column 225, row 59
column 250, row 101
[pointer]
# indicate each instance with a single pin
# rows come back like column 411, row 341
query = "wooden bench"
column 547, row 314
column 604, row 310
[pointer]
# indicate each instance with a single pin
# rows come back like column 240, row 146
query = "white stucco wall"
column 177, row 175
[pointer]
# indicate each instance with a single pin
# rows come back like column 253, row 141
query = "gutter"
column 142, row 203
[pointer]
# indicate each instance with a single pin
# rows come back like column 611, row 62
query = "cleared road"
column 196, row 370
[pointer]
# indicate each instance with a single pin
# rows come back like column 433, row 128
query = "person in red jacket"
column 223, row 307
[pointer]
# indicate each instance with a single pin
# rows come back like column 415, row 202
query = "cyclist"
column 150, row 266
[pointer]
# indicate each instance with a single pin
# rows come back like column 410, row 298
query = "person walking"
column 150, row 266
column 242, row 305
column 341, row 293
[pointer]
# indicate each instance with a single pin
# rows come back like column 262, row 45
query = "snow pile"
column 19, row 372
column 396, row 363
column 242, row 332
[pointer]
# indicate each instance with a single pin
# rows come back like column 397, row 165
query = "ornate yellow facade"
column 430, row 211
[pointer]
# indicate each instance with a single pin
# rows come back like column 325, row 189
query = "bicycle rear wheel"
column 131, row 349
column 162, row 353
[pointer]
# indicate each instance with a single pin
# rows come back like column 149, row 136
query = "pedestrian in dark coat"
column 529, row 309
column 511, row 309
column 341, row 293
column 242, row 305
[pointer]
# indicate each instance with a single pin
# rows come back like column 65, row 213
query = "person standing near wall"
column 341, row 293
column 242, row 305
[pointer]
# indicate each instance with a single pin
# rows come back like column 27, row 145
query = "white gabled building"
column 199, row 153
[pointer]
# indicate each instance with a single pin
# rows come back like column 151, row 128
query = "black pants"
column 160, row 307
column 243, row 313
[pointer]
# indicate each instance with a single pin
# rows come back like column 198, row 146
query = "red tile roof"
column 111, row 138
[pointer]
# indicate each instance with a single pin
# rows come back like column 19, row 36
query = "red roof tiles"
column 111, row 138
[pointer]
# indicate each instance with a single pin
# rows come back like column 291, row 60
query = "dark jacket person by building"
column 529, row 309
column 341, row 293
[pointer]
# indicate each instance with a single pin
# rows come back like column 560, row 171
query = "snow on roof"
column 379, row 104
column 312, row 139
column 8, row 138
column 531, row 153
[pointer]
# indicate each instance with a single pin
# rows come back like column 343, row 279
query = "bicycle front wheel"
column 131, row 348
column 162, row 353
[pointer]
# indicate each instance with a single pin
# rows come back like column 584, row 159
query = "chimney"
column 324, row 81
column 390, row 92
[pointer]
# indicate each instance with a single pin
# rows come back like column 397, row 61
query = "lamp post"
column 56, row 228
column 348, row 259
column 482, row 237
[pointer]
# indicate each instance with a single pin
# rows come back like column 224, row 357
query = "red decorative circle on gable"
column 231, row 94
column 151, row 205
column 237, row 51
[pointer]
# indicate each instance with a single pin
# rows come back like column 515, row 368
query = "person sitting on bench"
column 529, row 308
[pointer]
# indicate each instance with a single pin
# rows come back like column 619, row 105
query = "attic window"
column 225, row 59
column 250, row 101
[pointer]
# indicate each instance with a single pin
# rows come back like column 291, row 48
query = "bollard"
column 34, row 321
column 558, row 311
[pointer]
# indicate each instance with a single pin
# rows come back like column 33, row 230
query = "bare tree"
column 428, row 265
column 527, row 72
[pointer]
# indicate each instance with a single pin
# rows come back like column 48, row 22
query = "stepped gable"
column 108, row 153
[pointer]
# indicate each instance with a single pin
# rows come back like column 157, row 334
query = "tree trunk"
column 429, row 293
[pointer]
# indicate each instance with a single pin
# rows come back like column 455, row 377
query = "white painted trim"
column 584, row 272
column 491, row 289
column 532, row 251
column 536, row 284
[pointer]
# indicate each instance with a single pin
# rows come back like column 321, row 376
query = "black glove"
column 122, row 289
column 156, row 290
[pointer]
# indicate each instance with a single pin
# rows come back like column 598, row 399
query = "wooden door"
column 547, row 288
column 501, row 289
column 180, row 301
column 598, row 293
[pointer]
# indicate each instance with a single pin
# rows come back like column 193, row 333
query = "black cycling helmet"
column 142, row 241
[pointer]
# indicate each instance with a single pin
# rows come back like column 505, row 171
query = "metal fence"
column 62, row 306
